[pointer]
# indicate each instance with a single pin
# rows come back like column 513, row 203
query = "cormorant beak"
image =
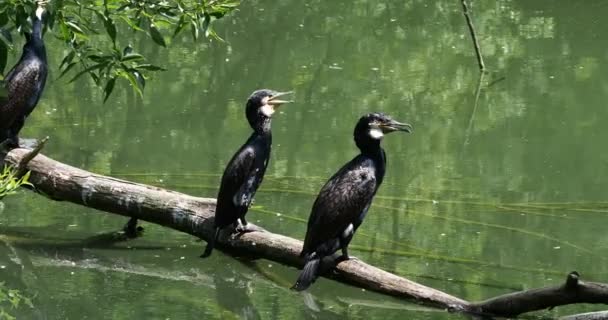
column 393, row 125
column 275, row 102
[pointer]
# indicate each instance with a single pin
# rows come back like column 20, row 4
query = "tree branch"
column 572, row 291
column 465, row 10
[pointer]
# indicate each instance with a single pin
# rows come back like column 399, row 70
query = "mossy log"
column 194, row 215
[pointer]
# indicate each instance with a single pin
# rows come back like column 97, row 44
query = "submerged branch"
column 572, row 291
column 465, row 10
column 194, row 216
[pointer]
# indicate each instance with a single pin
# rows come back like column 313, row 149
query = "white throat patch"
column 376, row 133
column 39, row 12
column 267, row 110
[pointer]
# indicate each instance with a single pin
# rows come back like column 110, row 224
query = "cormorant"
column 344, row 200
column 24, row 83
column 245, row 171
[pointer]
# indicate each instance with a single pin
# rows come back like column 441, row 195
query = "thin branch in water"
column 470, row 126
column 465, row 10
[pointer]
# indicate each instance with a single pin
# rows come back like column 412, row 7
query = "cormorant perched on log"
column 344, row 200
column 245, row 171
column 24, row 83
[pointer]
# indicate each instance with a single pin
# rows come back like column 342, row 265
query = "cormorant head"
column 261, row 105
column 373, row 126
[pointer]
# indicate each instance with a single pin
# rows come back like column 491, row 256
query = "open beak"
column 275, row 101
column 395, row 126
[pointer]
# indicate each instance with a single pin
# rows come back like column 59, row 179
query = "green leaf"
column 74, row 28
column 180, row 25
column 157, row 36
column 133, row 24
column 205, row 24
column 132, row 57
column 149, row 67
column 141, row 81
column 5, row 38
column 67, row 59
column 3, row 57
column 108, row 89
column 89, row 69
column 194, row 29
column 109, row 24
column 67, row 69
column 131, row 78
column 3, row 91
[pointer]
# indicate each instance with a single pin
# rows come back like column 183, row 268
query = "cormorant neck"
column 262, row 127
column 37, row 29
column 35, row 44
column 368, row 145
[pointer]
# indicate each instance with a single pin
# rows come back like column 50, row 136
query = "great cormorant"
column 344, row 200
column 24, row 83
column 245, row 171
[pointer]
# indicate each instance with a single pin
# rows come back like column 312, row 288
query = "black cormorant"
column 245, row 171
column 344, row 200
column 24, row 83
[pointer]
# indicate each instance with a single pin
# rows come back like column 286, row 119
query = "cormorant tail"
column 211, row 244
column 308, row 275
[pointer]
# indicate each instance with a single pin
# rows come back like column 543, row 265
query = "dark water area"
column 500, row 187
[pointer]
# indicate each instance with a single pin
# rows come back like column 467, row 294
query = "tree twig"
column 21, row 166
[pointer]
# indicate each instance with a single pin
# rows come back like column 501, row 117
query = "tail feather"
column 211, row 244
column 308, row 275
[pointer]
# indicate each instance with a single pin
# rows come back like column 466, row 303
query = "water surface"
column 495, row 191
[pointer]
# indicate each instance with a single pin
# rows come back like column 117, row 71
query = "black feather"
column 309, row 274
column 24, row 85
column 245, row 171
column 345, row 199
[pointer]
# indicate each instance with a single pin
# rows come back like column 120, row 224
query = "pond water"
column 499, row 188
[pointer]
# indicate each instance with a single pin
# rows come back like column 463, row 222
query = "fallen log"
column 194, row 215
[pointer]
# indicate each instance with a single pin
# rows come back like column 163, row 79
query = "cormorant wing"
column 343, row 200
column 253, row 166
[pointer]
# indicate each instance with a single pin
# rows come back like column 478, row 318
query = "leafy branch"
column 12, row 297
column 9, row 182
column 79, row 25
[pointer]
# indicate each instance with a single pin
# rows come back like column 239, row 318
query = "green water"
column 487, row 196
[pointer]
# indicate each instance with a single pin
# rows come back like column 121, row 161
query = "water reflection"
column 232, row 293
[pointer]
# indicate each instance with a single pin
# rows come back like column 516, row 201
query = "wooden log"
column 194, row 216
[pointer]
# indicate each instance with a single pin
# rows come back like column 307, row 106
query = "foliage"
column 9, row 182
column 76, row 22
column 13, row 298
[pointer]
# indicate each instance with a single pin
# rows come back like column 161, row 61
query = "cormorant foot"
column 132, row 230
column 242, row 228
column 343, row 258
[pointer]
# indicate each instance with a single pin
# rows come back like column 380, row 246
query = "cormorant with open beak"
column 23, row 85
column 344, row 200
column 245, row 171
